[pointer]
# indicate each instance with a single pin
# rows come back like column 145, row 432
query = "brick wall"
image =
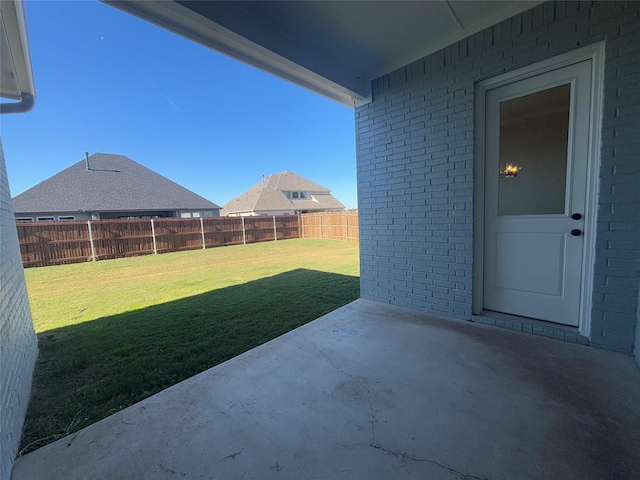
column 615, row 305
column 415, row 164
column 637, row 345
column 18, row 343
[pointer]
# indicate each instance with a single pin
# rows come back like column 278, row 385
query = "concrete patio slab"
column 372, row 391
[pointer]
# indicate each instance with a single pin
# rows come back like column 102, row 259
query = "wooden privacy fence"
column 330, row 225
column 56, row 243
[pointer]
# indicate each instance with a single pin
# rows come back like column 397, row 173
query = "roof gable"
column 268, row 196
column 289, row 181
column 110, row 183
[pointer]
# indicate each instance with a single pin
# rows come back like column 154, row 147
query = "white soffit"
column 334, row 48
column 16, row 76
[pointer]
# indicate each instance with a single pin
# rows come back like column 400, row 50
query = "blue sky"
column 109, row 82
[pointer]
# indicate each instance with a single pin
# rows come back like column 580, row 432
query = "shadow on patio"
column 374, row 391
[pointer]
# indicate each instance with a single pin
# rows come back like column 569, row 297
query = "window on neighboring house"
column 24, row 219
column 46, row 219
column 291, row 195
column 62, row 219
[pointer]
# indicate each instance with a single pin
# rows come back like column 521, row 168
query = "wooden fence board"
column 330, row 225
column 287, row 227
column 176, row 234
column 259, row 229
column 220, row 231
column 121, row 238
column 54, row 243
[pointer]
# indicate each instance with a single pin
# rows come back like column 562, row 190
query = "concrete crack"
column 374, row 443
column 365, row 388
column 233, row 455
column 277, row 467
column 173, row 472
column 426, row 460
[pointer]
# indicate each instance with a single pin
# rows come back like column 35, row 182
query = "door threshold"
column 531, row 325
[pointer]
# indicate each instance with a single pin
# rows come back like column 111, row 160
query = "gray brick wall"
column 415, row 164
column 637, row 345
column 18, row 343
column 615, row 305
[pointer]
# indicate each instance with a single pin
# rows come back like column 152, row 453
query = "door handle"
column 576, row 232
column 576, row 216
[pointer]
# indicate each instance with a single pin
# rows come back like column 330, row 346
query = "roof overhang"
column 335, row 48
column 16, row 75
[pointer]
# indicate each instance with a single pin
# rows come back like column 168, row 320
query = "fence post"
column 346, row 226
column 202, row 231
column 244, row 235
column 321, row 232
column 153, row 235
column 93, row 250
column 302, row 224
column 275, row 231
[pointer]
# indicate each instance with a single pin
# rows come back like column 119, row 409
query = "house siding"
column 415, row 159
column 18, row 342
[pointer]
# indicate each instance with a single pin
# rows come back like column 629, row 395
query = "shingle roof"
column 267, row 196
column 113, row 183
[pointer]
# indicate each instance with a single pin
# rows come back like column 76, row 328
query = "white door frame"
column 596, row 54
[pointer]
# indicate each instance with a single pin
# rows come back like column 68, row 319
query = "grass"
column 112, row 333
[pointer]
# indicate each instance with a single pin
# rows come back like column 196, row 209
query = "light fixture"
column 509, row 171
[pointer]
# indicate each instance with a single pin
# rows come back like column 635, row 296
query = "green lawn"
column 114, row 332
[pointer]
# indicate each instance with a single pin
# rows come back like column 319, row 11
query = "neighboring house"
column 283, row 194
column 446, row 96
column 105, row 186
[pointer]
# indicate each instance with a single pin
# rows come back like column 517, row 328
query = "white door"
column 536, row 155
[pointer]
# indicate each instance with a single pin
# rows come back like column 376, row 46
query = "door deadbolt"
column 576, row 216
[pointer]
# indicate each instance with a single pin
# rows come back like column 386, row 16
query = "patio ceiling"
column 333, row 48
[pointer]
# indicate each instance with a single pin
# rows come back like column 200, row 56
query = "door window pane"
column 534, row 133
